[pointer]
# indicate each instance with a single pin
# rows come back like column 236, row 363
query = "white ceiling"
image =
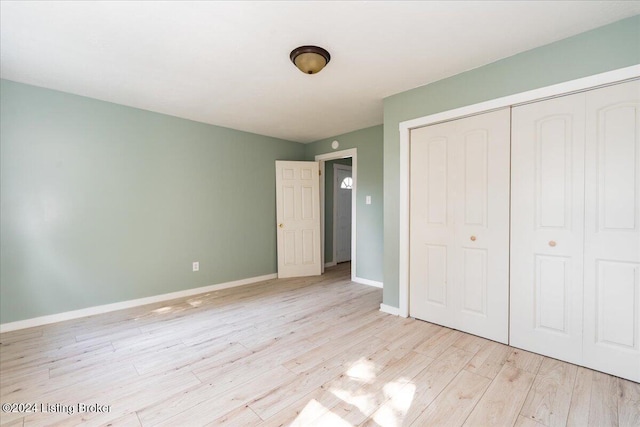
column 227, row 63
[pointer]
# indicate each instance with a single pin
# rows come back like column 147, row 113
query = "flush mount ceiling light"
column 310, row 59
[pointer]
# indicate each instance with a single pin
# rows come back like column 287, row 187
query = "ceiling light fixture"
column 310, row 59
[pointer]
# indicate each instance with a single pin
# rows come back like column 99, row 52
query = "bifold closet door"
column 575, row 229
column 547, row 221
column 459, row 224
column 612, row 231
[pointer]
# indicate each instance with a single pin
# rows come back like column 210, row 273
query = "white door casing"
column 298, row 218
column 322, row 159
column 612, row 231
column 342, row 213
column 459, row 224
column 547, row 209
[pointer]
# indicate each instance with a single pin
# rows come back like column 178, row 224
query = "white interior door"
column 612, row 231
column 298, row 218
column 547, row 209
column 459, row 221
column 343, row 185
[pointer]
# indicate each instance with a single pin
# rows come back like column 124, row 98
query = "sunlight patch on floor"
column 364, row 402
column 331, row 420
column 393, row 412
column 363, row 370
column 311, row 412
column 397, row 396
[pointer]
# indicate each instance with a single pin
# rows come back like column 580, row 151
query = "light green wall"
column 369, row 217
column 103, row 203
column 328, row 206
column 604, row 49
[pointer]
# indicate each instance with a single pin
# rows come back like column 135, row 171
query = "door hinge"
column 319, row 172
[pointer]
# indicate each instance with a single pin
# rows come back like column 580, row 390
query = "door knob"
column 552, row 243
column 281, row 225
column 473, row 238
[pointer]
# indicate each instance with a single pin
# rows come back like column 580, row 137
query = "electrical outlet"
column 368, row 200
column 196, row 266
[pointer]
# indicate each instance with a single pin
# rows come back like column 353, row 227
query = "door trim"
column 337, row 166
column 565, row 88
column 322, row 158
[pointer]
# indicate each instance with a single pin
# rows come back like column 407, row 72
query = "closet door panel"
column 482, row 224
column 432, row 224
column 552, row 293
column 612, row 230
column 460, row 224
column 547, row 218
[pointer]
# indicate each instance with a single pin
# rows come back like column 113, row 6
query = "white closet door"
column 612, row 231
column 459, row 223
column 481, row 271
column 547, row 219
column 432, row 260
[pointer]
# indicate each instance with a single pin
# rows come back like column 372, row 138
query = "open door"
column 298, row 218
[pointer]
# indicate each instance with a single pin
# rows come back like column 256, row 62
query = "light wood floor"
column 313, row 351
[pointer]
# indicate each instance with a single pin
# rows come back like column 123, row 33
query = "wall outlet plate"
column 196, row 266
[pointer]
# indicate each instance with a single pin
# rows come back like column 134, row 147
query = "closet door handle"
column 552, row 243
column 473, row 238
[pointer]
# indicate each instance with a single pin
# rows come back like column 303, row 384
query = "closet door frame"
column 607, row 78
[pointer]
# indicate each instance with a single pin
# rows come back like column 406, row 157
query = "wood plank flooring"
column 295, row 352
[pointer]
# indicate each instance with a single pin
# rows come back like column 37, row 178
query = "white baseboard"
column 99, row 309
column 366, row 282
column 389, row 309
column 330, row 264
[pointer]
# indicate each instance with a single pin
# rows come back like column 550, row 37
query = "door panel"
column 482, row 224
column 298, row 218
column 308, row 205
column 474, row 283
column 437, row 180
column 436, row 280
column 432, row 225
column 460, row 224
column 476, row 161
column 612, row 231
column 553, row 172
column 617, row 167
column 547, row 205
column 552, row 285
column 289, row 247
column 308, row 246
column 616, row 288
column 288, row 202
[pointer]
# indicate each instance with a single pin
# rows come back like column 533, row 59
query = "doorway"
column 330, row 163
